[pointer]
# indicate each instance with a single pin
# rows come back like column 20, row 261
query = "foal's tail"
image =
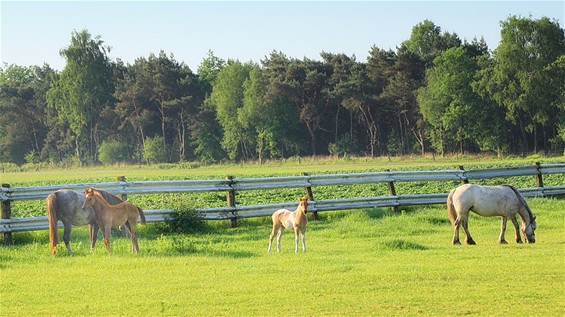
column 51, row 203
column 451, row 208
column 141, row 215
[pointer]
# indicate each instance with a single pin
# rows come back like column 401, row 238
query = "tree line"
column 434, row 93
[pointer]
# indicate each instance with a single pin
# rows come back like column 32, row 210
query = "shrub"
column 155, row 150
column 112, row 152
column 185, row 220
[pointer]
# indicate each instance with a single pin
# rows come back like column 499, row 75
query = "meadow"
column 370, row 262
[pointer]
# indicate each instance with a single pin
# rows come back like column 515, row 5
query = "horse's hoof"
column 471, row 242
column 503, row 242
column 456, row 243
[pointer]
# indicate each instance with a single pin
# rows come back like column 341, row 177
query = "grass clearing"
column 359, row 263
column 370, row 262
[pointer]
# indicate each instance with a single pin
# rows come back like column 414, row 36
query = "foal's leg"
column 134, row 244
column 296, row 235
column 93, row 231
column 517, row 228
column 273, row 232
column 107, row 232
column 279, row 235
column 304, row 241
column 502, row 230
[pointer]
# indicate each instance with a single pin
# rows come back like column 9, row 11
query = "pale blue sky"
column 32, row 33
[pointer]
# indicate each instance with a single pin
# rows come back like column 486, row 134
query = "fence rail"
column 231, row 185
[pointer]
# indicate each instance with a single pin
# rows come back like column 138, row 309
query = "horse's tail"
column 141, row 215
column 451, row 208
column 51, row 203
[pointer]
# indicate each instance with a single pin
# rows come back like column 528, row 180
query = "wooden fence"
column 231, row 185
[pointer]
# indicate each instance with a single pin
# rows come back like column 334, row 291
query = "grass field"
column 370, row 262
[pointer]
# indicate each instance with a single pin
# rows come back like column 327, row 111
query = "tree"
column 22, row 104
column 206, row 132
column 84, row 87
column 227, row 97
column 160, row 87
column 427, row 41
column 525, row 79
column 448, row 102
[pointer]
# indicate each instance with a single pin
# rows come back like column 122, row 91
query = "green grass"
column 371, row 262
column 359, row 263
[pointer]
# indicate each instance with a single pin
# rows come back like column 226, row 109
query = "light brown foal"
column 296, row 220
column 107, row 215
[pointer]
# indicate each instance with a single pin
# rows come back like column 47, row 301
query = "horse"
column 65, row 205
column 296, row 220
column 502, row 200
column 107, row 215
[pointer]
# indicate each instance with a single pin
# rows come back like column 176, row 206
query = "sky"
column 33, row 32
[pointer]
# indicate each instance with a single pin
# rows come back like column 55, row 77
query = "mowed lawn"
column 371, row 262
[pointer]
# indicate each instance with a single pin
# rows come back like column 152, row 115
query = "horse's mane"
column 109, row 198
column 522, row 200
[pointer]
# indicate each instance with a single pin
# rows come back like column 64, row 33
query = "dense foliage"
column 435, row 93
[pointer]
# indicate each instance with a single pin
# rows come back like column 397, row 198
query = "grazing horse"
column 503, row 200
column 65, row 205
column 296, row 220
column 107, row 215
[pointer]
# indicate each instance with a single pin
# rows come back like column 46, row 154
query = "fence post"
column 310, row 197
column 392, row 192
column 464, row 180
column 124, row 197
column 539, row 178
column 230, row 195
column 7, row 214
column 122, row 179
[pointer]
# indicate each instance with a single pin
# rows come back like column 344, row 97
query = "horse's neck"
column 299, row 211
column 101, row 202
column 525, row 215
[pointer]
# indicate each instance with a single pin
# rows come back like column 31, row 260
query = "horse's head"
column 530, row 230
column 304, row 204
column 89, row 199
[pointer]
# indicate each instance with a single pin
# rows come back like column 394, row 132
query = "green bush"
column 155, row 150
column 112, row 152
column 185, row 220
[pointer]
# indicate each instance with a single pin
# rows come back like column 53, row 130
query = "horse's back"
column 283, row 216
column 485, row 200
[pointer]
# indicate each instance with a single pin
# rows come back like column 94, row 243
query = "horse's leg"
column 107, row 232
column 93, row 231
column 133, row 234
column 465, row 224
column 67, row 224
column 517, row 228
column 501, row 239
column 273, row 232
column 456, row 225
column 296, row 235
column 279, row 235
column 304, row 241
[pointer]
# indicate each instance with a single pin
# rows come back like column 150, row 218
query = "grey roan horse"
column 503, row 200
column 66, row 205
